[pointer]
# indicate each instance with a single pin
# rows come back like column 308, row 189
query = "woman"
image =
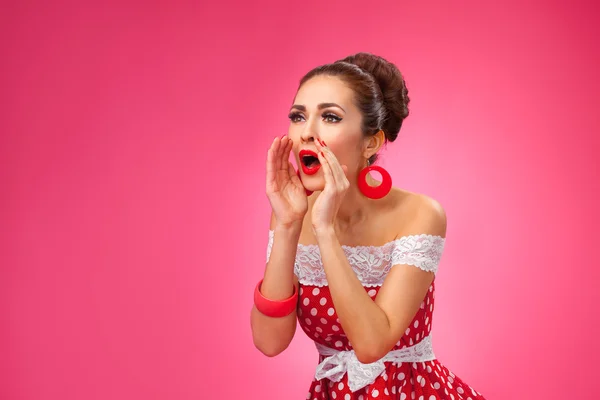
column 354, row 262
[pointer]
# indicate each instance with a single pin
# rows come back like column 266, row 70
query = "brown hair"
column 380, row 90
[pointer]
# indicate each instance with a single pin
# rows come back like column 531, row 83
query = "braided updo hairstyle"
column 380, row 91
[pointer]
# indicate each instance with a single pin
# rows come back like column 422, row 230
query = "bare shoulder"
column 416, row 213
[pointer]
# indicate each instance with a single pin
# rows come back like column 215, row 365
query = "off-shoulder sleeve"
column 423, row 251
column 270, row 244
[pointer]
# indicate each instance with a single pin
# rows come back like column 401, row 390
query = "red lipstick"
column 309, row 160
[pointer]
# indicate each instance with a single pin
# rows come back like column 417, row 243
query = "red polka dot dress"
column 410, row 370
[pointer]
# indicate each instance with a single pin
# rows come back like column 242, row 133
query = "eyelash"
column 335, row 118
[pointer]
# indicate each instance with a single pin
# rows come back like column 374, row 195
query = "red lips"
column 311, row 157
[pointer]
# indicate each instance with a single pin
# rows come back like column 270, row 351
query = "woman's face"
column 324, row 109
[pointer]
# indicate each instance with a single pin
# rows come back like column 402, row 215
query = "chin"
column 313, row 183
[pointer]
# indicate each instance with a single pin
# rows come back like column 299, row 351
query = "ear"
column 373, row 143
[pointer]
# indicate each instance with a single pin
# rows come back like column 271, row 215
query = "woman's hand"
column 284, row 189
column 328, row 203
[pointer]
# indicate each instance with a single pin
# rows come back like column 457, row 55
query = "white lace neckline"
column 370, row 263
column 313, row 247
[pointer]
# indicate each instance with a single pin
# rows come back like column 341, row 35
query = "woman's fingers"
column 271, row 164
column 274, row 165
column 329, row 178
column 337, row 170
column 277, row 153
column 286, row 147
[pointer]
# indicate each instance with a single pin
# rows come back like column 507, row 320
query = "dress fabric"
column 410, row 371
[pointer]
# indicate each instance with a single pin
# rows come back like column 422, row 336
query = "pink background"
column 132, row 207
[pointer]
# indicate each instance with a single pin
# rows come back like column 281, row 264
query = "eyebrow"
column 320, row 106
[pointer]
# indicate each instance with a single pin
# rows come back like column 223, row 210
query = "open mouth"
column 309, row 161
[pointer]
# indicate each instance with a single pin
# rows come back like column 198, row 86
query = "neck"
column 356, row 206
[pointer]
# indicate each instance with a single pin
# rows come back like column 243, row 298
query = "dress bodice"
column 371, row 264
column 318, row 319
column 410, row 370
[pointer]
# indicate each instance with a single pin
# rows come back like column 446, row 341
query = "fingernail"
column 324, row 143
column 322, row 154
column 319, row 140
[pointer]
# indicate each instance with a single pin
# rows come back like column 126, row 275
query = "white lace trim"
column 360, row 375
column 370, row 263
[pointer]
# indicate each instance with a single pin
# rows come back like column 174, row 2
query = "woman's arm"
column 273, row 335
column 373, row 327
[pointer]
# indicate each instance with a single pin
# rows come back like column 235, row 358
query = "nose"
column 309, row 133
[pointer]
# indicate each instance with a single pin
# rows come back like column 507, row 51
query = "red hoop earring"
column 308, row 192
column 374, row 192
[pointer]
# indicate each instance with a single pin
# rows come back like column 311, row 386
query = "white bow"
column 337, row 363
column 359, row 375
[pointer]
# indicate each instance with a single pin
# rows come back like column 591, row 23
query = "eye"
column 330, row 117
column 294, row 116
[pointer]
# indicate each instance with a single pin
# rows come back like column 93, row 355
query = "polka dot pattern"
column 405, row 381
column 320, row 321
column 429, row 380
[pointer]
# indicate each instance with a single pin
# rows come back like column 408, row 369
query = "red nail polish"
column 324, row 143
column 322, row 154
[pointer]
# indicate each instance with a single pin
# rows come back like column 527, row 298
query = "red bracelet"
column 274, row 308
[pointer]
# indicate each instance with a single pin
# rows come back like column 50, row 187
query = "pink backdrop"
column 133, row 214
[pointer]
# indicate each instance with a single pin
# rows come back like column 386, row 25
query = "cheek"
column 294, row 131
column 351, row 157
column 344, row 156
